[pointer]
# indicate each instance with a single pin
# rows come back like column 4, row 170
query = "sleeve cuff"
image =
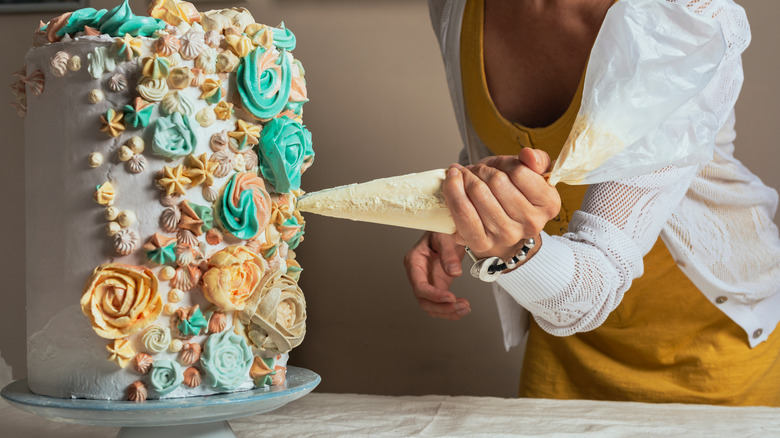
column 543, row 276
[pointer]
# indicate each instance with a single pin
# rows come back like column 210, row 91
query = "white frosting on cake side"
column 67, row 159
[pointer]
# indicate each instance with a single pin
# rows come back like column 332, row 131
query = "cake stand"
column 192, row 417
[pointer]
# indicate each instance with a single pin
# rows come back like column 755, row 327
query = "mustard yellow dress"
column 665, row 342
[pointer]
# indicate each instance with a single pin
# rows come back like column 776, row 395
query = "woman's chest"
column 534, row 63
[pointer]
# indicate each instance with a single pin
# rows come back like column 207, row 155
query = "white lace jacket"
column 715, row 218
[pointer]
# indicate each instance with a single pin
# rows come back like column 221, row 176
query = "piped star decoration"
column 261, row 371
column 112, row 123
column 201, row 170
column 160, row 249
column 191, row 321
column 246, row 134
column 127, row 47
column 196, row 218
column 121, row 351
column 173, row 180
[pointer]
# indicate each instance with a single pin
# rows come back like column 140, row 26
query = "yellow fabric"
column 665, row 342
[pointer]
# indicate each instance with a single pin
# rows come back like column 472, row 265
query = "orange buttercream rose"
column 233, row 275
column 121, row 300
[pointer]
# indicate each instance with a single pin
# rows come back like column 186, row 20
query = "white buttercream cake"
column 163, row 161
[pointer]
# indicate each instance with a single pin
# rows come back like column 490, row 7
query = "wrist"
column 488, row 268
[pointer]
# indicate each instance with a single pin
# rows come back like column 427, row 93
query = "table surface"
column 337, row 415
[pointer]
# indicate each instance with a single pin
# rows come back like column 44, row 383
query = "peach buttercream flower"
column 233, row 275
column 121, row 299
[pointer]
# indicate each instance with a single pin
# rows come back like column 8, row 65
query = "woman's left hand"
column 500, row 201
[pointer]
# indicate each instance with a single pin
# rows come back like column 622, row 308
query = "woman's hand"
column 500, row 201
column 431, row 265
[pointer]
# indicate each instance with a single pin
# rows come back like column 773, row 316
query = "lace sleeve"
column 574, row 281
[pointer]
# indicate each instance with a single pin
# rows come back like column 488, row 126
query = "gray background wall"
column 379, row 107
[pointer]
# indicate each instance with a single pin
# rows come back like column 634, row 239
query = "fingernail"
column 452, row 172
column 453, row 269
column 464, row 312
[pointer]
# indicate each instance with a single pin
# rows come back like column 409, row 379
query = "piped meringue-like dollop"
column 207, row 60
column 177, row 102
column 136, row 391
column 142, row 363
column 192, row 44
column 118, row 82
column 126, row 241
column 169, row 220
column 167, row 45
column 156, row 338
column 186, row 277
column 217, row 322
column 137, row 163
column 153, row 90
column 224, row 160
column 210, row 194
column 59, row 64
column 192, row 377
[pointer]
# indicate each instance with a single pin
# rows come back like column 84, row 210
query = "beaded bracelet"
column 488, row 269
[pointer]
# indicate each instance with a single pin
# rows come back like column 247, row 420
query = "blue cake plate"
column 168, row 417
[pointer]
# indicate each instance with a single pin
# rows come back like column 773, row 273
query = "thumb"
column 535, row 159
column 448, row 255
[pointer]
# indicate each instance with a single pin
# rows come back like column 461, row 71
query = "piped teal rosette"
column 283, row 147
column 264, row 78
column 173, row 136
column 284, row 39
column 116, row 22
column 166, row 375
column 226, row 360
column 244, row 208
column 81, row 18
column 193, row 325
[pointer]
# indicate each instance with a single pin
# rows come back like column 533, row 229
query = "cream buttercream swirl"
column 156, row 338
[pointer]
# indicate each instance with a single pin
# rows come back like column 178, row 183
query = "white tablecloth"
column 337, row 415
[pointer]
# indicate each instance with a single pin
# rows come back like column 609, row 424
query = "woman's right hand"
column 431, row 265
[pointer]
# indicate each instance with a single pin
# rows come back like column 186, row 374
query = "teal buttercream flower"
column 244, row 209
column 81, row 18
column 166, row 375
column 173, row 136
column 226, row 360
column 121, row 20
column 284, row 39
column 162, row 255
column 193, row 324
column 138, row 115
column 284, row 145
column 264, row 78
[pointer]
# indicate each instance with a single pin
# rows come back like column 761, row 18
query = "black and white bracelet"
column 488, row 269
